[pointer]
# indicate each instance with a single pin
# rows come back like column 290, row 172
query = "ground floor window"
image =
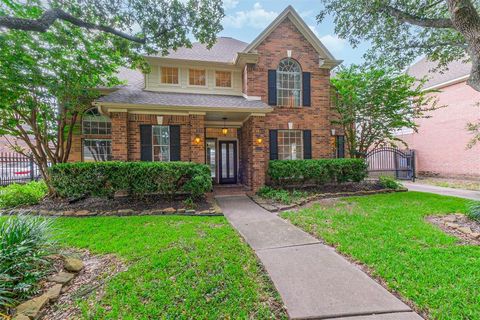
column 97, row 150
column 211, row 153
column 161, row 143
column 290, row 144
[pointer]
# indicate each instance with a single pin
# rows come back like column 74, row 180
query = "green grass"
column 389, row 234
column 179, row 268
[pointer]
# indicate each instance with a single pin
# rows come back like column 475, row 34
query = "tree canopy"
column 372, row 104
column 401, row 31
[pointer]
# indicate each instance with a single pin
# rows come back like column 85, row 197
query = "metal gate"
column 392, row 162
column 17, row 168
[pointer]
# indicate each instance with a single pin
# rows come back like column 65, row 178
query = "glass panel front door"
column 228, row 161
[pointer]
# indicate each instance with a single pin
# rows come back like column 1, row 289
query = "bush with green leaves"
column 281, row 195
column 24, row 243
column 473, row 211
column 15, row 195
column 318, row 171
column 103, row 179
column 388, row 182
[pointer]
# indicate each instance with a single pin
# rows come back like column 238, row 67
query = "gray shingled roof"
column 135, row 95
column 424, row 67
column 224, row 50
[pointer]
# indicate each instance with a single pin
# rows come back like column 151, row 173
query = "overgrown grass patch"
column 178, row 268
column 389, row 234
column 16, row 194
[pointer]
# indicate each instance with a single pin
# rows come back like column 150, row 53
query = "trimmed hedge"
column 103, row 179
column 318, row 171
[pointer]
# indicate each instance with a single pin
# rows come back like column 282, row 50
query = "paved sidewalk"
column 313, row 280
column 461, row 193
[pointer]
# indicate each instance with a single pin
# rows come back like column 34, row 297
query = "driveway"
column 313, row 280
column 467, row 194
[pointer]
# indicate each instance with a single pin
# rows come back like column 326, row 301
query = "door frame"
column 233, row 180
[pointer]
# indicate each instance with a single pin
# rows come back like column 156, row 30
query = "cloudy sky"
column 245, row 19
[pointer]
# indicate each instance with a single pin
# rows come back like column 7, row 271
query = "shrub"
column 280, row 195
column 389, row 183
column 24, row 242
column 474, row 211
column 103, row 179
column 319, row 171
column 16, row 194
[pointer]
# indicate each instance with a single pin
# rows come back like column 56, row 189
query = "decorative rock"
column 204, row 212
column 190, row 211
column 169, row 210
column 465, row 230
column 43, row 212
column 82, row 213
column 452, row 225
column 69, row 213
column 73, row 265
column 450, row 218
column 476, row 235
column 21, row 316
column 156, row 211
column 61, row 277
column 54, row 292
column 125, row 212
column 182, row 210
column 32, row 307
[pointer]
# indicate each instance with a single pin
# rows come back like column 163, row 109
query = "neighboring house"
column 441, row 141
column 233, row 107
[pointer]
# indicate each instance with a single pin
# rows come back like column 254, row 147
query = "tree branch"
column 43, row 23
column 418, row 21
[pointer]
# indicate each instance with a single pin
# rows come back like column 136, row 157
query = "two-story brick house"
column 233, row 107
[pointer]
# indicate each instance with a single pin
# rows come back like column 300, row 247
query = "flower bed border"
column 283, row 207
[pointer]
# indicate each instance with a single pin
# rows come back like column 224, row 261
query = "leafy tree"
column 400, row 31
column 371, row 104
column 49, row 78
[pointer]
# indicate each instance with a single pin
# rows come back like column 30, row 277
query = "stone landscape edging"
column 273, row 208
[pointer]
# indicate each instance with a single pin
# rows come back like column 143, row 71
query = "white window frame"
column 96, row 119
column 108, row 154
column 160, row 145
column 231, row 79
column 198, row 85
column 290, row 154
column 166, row 83
column 287, row 87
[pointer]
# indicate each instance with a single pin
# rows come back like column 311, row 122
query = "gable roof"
column 456, row 71
column 295, row 18
column 224, row 50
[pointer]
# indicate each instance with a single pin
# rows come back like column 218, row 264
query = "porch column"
column 255, row 145
column 119, row 135
column 197, row 137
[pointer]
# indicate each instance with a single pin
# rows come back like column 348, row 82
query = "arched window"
column 99, row 147
column 95, row 123
column 289, row 83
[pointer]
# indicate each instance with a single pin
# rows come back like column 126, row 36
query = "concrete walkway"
column 461, row 193
column 313, row 280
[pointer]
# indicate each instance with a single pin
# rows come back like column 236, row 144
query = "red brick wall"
column 119, row 135
column 252, row 153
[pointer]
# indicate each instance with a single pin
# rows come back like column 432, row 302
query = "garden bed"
column 120, row 206
column 291, row 197
column 458, row 225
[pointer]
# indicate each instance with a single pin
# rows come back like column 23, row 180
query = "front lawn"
column 389, row 234
column 179, row 268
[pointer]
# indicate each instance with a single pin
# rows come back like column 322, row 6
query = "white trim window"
column 161, row 143
column 223, row 79
column 169, row 75
column 95, row 150
column 95, row 123
column 290, row 144
column 197, row 77
column 289, row 83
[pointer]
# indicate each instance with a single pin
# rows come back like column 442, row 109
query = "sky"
column 245, row 19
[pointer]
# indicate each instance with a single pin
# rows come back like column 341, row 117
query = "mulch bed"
column 104, row 204
column 458, row 225
column 339, row 187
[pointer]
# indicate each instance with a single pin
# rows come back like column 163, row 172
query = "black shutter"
column 273, row 144
column 340, row 146
column 146, row 142
column 306, row 95
column 174, row 143
column 307, row 144
column 272, row 87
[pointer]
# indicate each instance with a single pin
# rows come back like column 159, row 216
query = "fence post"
column 32, row 168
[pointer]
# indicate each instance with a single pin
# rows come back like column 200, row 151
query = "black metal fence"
column 17, row 168
column 393, row 162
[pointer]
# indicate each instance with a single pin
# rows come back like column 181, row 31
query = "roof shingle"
column 425, row 67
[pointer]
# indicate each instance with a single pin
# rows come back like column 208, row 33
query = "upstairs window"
column 95, row 123
column 197, row 77
column 289, row 83
column 223, row 79
column 169, row 75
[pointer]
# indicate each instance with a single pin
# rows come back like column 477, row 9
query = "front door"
column 228, row 161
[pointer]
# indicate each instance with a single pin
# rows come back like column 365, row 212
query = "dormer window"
column 169, row 75
column 197, row 77
column 223, row 79
column 289, row 83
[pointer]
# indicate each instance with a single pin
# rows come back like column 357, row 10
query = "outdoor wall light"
column 224, row 129
column 332, row 131
column 197, row 140
column 259, row 140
